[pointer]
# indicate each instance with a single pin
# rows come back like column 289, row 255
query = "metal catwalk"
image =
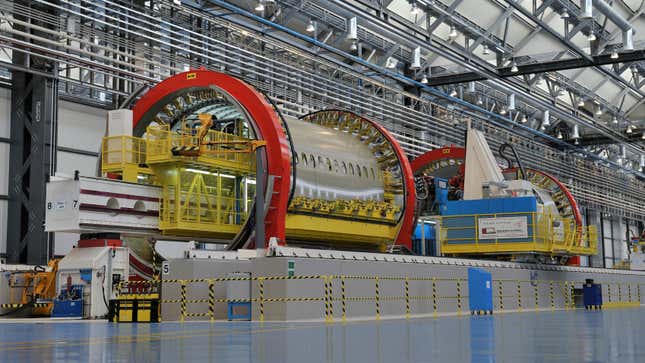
column 561, row 336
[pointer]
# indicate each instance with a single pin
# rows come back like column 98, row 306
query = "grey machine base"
column 434, row 287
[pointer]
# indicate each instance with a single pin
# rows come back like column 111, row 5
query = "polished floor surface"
column 561, row 336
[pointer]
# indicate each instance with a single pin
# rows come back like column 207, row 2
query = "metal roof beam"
column 551, row 66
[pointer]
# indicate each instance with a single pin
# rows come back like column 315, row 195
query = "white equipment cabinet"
column 97, row 269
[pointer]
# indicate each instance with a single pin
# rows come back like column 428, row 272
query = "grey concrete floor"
column 560, row 336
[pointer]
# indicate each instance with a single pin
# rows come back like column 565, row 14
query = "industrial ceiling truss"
column 385, row 60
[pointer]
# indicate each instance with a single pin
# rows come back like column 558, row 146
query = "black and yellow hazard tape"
column 481, row 312
column 459, row 296
column 182, row 303
column 434, row 297
column 293, row 299
column 330, row 280
column 211, row 299
column 197, row 315
column 500, row 294
column 11, row 306
column 42, row 304
column 638, row 292
column 551, row 295
column 170, row 301
column 360, row 298
column 377, row 301
column 536, row 296
column 407, row 298
column 343, row 304
column 519, row 295
column 261, row 288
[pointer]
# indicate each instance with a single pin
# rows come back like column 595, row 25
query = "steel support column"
column 32, row 156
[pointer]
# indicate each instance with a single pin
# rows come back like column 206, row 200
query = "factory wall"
column 80, row 129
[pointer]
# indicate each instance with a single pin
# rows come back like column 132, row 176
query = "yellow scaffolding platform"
column 207, row 177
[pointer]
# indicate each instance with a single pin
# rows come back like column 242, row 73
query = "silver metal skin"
column 333, row 164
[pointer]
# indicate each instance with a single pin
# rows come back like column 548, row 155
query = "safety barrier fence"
column 334, row 296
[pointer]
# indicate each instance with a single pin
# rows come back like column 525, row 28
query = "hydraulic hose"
column 502, row 153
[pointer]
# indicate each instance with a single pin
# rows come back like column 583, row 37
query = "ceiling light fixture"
column 485, row 50
column 391, row 63
column 514, row 67
column 453, row 32
column 592, row 36
column 629, row 129
column 565, row 14
column 311, row 27
column 524, row 119
column 424, row 80
column 614, row 55
column 453, row 93
column 598, row 110
column 576, row 132
column 480, row 100
column 260, row 6
column 353, row 46
column 415, row 10
column 559, row 135
column 581, row 102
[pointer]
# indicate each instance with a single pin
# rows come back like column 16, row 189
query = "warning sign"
column 503, row 228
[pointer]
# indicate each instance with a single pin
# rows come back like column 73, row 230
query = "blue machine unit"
column 592, row 295
column 429, row 234
column 69, row 303
column 480, row 291
column 461, row 217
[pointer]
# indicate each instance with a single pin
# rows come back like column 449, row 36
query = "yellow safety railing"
column 335, row 295
column 538, row 233
column 218, row 149
column 124, row 155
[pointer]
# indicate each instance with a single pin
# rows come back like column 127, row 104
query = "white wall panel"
column 4, row 168
column 3, row 226
column 80, row 127
column 5, row 113
column 5, row 131
column 67, row 163
column 64, row 242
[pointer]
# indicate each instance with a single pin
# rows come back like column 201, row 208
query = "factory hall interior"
column 322, row 181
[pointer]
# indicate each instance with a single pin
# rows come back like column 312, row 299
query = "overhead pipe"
column 619, row 20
